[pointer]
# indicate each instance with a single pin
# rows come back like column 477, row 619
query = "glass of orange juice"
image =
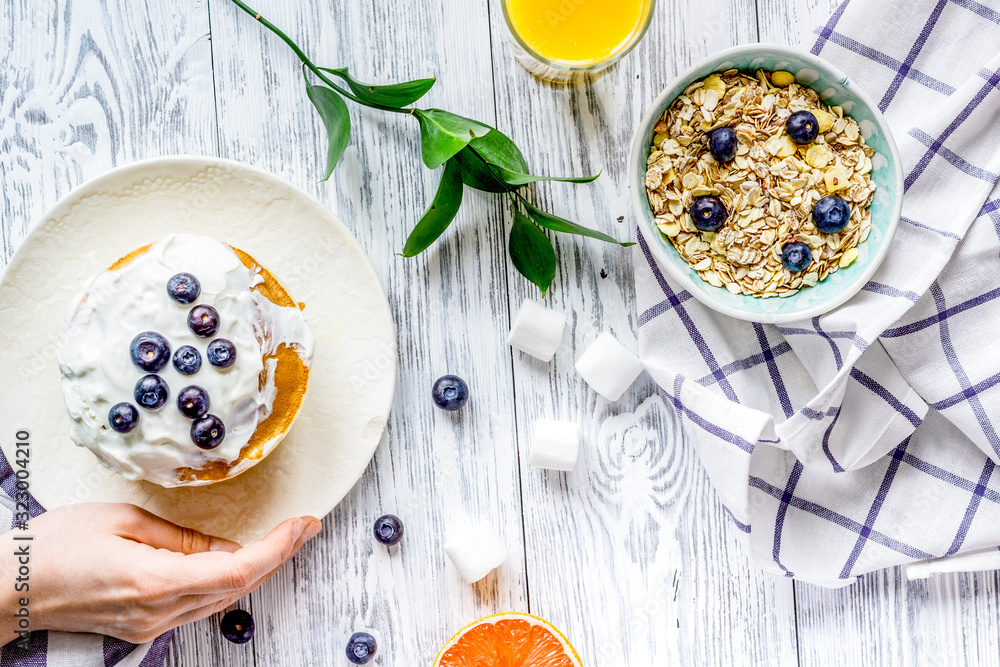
column 557, row 39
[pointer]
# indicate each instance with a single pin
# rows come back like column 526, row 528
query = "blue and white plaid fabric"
column 870, row 436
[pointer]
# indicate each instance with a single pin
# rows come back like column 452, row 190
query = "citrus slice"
column 508, row 640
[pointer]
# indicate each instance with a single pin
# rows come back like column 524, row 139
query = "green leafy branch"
column 472, row 153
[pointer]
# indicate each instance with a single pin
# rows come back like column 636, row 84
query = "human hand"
column 116, row 569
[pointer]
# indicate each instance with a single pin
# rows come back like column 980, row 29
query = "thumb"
column 139, row 525
column 247, row 568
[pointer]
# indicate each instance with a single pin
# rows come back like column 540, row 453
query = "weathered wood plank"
column 87, row 86
column 885, row 620
column 630, row 554
column 792, row 21
column 449, row 304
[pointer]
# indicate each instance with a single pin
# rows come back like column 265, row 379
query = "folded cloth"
column 868, row 437
column 66, row 649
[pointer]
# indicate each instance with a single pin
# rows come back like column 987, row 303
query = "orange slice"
column 508, row 640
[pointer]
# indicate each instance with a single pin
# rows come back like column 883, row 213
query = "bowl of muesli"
column 766, row 183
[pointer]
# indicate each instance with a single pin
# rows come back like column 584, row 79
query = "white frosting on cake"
column 98, row 372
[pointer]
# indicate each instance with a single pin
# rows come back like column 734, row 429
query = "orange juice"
column 577, row 32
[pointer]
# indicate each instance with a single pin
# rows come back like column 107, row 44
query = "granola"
column 769, row 188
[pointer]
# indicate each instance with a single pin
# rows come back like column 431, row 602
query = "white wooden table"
column 631, row 554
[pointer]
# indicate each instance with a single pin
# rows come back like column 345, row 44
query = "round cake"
column 185, row 363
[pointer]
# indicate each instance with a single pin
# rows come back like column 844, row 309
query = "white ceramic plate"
column 311, row 252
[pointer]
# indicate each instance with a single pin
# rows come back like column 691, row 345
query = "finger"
column 201, row 599
column 205, row 608
column 204, row 605
column 240, row 571
column 140, row 525
column 201, row 606
column 195, row 600
column 203, row 611
column 196, row 575
column 191, row 603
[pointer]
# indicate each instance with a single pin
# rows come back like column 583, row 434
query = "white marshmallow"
column 608, row 367
column 476, row 552
column 555, row 445
column 537, row 330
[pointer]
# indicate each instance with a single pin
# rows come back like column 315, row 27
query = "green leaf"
column 442, row 211
column 443, row 134
column 495, row 148
column 494, row 163
column 557, row 224
column 531, row 252
column 337, row 119
column 391, row 95
column 517, row 179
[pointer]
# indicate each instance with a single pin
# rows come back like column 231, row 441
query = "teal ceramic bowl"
column 835, row 89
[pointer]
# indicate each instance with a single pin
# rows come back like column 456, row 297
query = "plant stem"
column 308, row 63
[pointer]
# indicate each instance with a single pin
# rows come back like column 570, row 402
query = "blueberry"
column 802, row 127
column 237, row 626
column 708, row 213
column 193, row 402
column 150, row 351
column 831, row 214
column 221, row 353
column 151, row 392
column 796, row 256
column 722, row 144
column 203, row 321
column 187, row 360
column 208, row 432
column 123, row 417
column 450, row 393
column 361, row 648
column 388, row 530
column 184, row 288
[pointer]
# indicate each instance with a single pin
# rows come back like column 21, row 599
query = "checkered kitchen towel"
column 870, row 436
